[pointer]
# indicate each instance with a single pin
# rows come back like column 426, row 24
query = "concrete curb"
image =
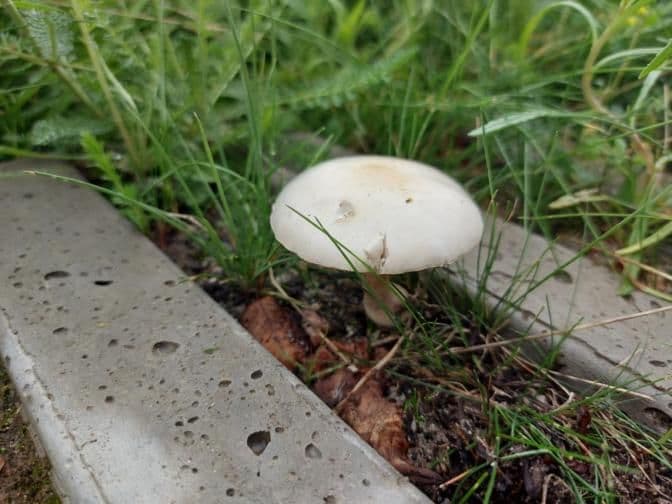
column 139, row 386
column 634, row 354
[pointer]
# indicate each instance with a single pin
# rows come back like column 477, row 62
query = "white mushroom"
column 393, row 215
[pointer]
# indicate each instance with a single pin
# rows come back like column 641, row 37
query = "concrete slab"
column 140, row 387
column 635, row 354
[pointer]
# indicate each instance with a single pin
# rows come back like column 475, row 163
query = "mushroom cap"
column 395, row 214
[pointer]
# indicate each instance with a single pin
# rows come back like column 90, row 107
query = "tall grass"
column 190, row 102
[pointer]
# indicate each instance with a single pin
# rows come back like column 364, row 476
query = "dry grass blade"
column 530, row 366
column 189, row 219
column 645, row 267
column 601, row 385
column 559, row 332
column 454, row 479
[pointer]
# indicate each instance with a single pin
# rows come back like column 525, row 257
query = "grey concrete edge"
column 78, row 482
column 72, row 477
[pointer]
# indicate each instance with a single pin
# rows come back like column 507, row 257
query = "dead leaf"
column 358, row 348
column 380, row 423
column 277, row 330
column 324, row 358
column 315, row 325
column 333, row 389
column 583, row 420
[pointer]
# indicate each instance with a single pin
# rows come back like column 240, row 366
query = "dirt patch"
column 24, row 475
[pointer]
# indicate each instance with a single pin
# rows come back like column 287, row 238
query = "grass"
column 554, row 113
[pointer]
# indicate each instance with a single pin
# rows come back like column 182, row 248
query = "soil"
column 24, row 474
column 448, row 430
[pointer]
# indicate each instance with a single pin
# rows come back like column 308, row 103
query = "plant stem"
column 98, row 66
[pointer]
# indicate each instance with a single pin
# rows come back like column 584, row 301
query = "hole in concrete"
column 654, row 304
column 112, row 343
column 169, row 283
column 315, row 436
column 109, row 399
column 164, row 347
column 257, row 374
column 230, row 492
column 279, row 430
column 60, row 330
column 102, row 387
column 56, row 274
column 270, row 390
column 17, row 285
column 313, row 452
column 657, row 363
column 205, row 437
column 194, row 470
column 188, row 434
column 366, row 482
column 660, row 420
column 192, row 419
column 258, row 441
column 224, row 383
column 563, row 276
column 179, row 423
column 330, row 499
column 28, row 195
column 102, row 283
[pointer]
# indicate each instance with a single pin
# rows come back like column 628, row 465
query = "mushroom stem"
column 385, row 300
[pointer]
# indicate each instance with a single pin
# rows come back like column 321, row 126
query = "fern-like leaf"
column 66, row 131
column 345, row 84
column 52, row 32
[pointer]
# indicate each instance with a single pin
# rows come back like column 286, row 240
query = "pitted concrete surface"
column 634, row 354
column 140, row 387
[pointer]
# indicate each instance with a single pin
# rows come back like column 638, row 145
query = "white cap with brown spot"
column 395, row 214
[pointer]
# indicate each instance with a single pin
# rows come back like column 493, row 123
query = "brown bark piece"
column 277, row 330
